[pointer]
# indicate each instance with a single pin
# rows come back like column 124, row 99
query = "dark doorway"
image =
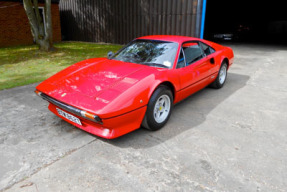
column 260, row 21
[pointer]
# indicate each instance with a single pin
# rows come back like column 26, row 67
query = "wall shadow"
column 197, row 107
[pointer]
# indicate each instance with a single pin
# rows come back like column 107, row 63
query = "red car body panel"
column 113, row 127
column 118, row 92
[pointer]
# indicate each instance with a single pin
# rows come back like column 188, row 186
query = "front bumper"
column 70, row 108
column 108, row 128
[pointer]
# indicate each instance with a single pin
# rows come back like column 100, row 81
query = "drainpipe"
column 200, row 18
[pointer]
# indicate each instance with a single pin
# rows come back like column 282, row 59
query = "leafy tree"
column 43, row 35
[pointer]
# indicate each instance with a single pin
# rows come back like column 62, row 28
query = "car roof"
column 172, row 38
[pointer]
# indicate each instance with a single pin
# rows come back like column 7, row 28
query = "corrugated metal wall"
column 120, row 21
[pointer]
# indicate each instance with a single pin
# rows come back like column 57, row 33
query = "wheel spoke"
column 162, row 108
column 222, row 74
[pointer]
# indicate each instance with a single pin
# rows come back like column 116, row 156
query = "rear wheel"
column 158, row 109
column 221, row 77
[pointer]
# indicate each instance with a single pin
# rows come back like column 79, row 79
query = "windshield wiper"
column 154, row 64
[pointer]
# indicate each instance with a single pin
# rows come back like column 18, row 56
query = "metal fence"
column 119, row 21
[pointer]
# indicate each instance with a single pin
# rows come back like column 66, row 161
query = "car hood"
column 100, row 85
column 92, row 80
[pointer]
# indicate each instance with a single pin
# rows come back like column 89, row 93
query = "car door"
column 193, row 67
column 211, row 55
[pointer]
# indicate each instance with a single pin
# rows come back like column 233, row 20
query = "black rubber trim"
column 64, row 106
column 126, row 112
column 75, row 110
column 69, row 108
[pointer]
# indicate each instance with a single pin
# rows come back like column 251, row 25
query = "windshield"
column 149, row 52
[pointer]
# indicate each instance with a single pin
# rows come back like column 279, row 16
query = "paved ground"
column 233, row 139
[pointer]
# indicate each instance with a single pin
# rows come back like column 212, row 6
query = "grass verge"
column 24, row 65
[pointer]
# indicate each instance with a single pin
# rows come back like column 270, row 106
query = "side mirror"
column 110, row 54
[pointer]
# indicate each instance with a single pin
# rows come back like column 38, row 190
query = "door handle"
column 212, row 61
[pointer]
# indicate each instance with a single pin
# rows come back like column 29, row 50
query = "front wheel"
column 158, row 109
column 221, row 77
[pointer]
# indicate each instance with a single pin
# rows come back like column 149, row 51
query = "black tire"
column 218, row 83
column 150, row 121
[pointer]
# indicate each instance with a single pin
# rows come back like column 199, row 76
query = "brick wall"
column 15, row 28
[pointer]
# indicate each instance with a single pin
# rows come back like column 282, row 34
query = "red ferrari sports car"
column 137, row 86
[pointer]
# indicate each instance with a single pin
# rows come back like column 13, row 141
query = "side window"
column 207, row 49
column 192, row 52
column 181, row 60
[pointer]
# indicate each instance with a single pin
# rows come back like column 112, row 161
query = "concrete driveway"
column 233, row 139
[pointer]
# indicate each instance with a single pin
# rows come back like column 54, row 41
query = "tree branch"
column 39, row 20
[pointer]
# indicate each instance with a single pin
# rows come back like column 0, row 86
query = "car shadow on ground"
column 186, row 115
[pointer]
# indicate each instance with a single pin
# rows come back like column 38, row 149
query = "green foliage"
column 24, row 65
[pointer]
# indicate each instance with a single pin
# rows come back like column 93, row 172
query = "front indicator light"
column 38, row 93
column 91, row 116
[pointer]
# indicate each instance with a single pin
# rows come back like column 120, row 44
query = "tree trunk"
column 49, row 27
column 45, row 46
column 43, row 35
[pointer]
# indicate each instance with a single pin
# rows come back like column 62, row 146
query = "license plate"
column 69, row 116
